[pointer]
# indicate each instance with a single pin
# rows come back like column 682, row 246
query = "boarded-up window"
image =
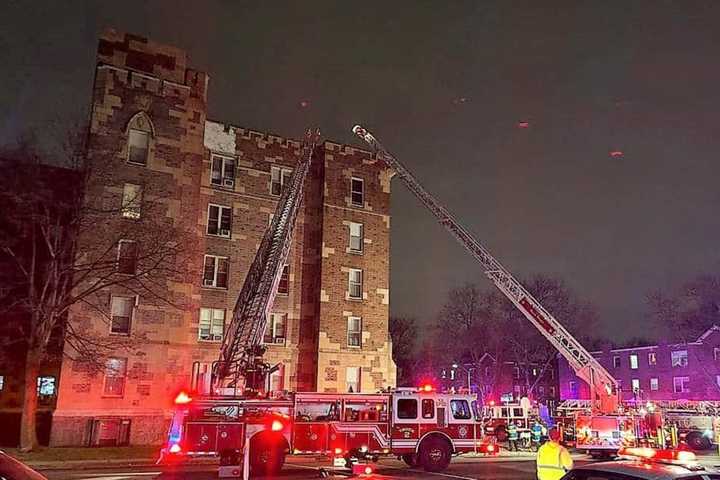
column 121, row 314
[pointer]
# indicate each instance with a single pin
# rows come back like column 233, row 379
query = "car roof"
column 649, row 470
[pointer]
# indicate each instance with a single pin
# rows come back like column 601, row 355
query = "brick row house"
column 681, row 371
column 219, row 184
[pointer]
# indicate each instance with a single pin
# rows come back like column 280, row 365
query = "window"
column 131, row 201
column 534, row 372
column 357, row 191
column 317, row 411
column 551, row 391
column 352, row 379
column 716, row 354
column 355, row 283
column 138, row 146
column 46, row 386
column 634, row 361
column 2, row 382
column 279, row 177
column 654, row 384
column 212, row 324
column 215, row 273
column 222, row 171
column 284, row 285
column 428, row 408
column 717, row 380
column 127, row 257
column 356, row 237
column 354, row 331
column 652, row 358
column 635, row 383
column 541, row 391
column 121, row 313
column 219, row 220
column 275, row 329
column 452, row 374
column 407, row 408
column 516, row 372
column 460, row 409
column 681, row 384
column 573, row 389
column 276, row 380
column 487, row 371
column 115, row 370
column 679, row 358
column 616, row 361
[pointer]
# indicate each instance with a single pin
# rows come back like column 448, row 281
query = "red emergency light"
column 175, row 448
column 652, row 454
column 426, row 387
column 276, row 426
column 182, row 399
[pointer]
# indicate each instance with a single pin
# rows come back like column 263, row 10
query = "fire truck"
column 498, row 417
column 420, row 426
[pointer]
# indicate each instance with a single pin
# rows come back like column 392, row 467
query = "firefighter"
column 512, row 437
column 537, row 432
column 553, row 460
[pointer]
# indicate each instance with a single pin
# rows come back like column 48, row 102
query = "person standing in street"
column 553, row 460
column 512, row 437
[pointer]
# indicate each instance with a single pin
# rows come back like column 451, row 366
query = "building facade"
column 217, row 186
column 683, row 371
column 505, row 381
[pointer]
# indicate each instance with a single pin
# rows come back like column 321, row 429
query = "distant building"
column 507, row 381
column 329, row 324
column 680, row 371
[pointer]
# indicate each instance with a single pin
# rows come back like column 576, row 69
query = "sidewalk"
column 85, row 457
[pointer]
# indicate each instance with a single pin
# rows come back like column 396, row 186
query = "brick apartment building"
column 683, row 371
column 220, row 183
column 503, row 381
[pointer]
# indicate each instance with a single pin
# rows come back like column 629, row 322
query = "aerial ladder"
column 603, row 387
column 241, row 367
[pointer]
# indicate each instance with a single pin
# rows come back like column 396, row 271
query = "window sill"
column 270, row 344
column 284, row 295
column 355, row 252
column 354, row 299
column 355, row 347
column 207, row 340
column 111, row 396
column 210, row 287
column 136, row 164
column 120, row 334
column 222, row 187
column 217, row 235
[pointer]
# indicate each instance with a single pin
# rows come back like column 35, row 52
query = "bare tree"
column 404, row 334
column 70, row 238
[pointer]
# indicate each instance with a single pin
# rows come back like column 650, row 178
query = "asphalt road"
column 298, row 469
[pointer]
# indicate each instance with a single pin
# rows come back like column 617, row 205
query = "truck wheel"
column 435, row 454
column 501, row 434
column 266, row 456
column 410, row 459
column 697, row 441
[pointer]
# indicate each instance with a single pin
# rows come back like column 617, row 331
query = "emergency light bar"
column 654, row 455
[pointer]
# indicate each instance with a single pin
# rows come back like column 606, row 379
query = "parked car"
column 13, row 469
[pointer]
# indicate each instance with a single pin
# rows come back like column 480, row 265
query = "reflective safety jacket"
column 553, row 461
column 512, row 432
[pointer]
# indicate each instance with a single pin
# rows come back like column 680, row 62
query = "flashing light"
column 364, row 448
column 368, row 470
column 182, row 399
column 427, row 388
column 175, row 448
column 616, row 154
column 492, row 403
column 523, row 124
column 490, row 448
column 276, row 426
column 681, row 456
column 338, row 451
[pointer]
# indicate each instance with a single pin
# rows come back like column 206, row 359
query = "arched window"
column 140, row 132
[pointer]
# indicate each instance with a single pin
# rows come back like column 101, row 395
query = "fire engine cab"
column 421, row 426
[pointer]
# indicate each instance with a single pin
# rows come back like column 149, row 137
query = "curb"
column 90, row 464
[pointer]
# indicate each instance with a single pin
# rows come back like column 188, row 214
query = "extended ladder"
column 602, row 385
column 241, row 352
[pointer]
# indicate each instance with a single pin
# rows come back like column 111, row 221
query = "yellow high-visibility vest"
column 553, row 461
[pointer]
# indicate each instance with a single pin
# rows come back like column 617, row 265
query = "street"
column 303, row 468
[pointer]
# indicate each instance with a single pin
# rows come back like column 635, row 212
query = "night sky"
column 444, row 85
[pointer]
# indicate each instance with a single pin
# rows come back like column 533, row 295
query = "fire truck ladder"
column 603, row 386
column 241, row 353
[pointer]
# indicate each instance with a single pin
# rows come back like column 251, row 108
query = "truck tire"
column 267, row 456
column 410, row 459
column 501, row 434
column 697, row 441
column 434, row 454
